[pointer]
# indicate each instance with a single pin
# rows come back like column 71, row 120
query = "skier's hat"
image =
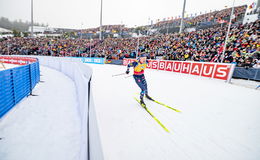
column 143, row 55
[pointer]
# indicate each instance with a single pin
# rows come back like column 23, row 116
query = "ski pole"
column 118, row 74
column 128, row 76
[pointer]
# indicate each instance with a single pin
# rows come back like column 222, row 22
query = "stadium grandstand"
column 181, row 87
column 202, row 40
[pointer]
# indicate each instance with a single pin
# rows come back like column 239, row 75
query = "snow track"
column 218, row 120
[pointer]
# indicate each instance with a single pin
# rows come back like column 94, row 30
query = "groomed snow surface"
column 219, row 121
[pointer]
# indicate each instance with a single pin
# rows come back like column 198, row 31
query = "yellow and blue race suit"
column 139, row 75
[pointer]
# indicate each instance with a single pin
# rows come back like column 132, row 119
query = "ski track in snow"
column 219, row 121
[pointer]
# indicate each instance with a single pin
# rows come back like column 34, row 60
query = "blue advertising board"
column 92, row 60
column 17, row 83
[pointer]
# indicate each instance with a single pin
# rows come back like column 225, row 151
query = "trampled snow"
column 245, row 83
column 43, row 127
column 219, row 121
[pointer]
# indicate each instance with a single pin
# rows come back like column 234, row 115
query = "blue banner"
column 92, row 60
column 112, row 61
column 247, row 73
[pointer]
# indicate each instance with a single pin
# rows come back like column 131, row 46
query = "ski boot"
column 148, row 97
column 142, row 102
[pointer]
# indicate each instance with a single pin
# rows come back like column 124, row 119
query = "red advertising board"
column 221, row 71
column 169, row 66
column 207, row 70
column 186, row 66
column 149, row 65
column 196, row 69
column 177, row 66
column 162, row 65
column 154, row 64
column 17, row 60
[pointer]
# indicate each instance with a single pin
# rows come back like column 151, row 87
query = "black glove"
column 127, row 71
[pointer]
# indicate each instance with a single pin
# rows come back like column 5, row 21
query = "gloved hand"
column 127, row 71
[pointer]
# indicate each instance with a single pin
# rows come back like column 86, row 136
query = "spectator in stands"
column 257, row 65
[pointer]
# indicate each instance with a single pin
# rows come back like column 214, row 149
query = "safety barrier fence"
column 91, row 60
column 247, row 73
column 112, row 61
column 81, row 75
column 18, row 82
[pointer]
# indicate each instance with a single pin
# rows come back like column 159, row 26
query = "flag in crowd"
column 252, row 5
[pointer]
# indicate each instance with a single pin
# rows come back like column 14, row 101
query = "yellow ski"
column 176, row 110
column 144, row 106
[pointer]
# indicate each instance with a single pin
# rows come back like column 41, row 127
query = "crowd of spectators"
column 46, row 46
column 214, row 16
column 243, row 47
column 105, row 28
column 192, row 20
column 205, row 45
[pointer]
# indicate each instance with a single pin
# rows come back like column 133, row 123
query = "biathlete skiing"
column 140, row 65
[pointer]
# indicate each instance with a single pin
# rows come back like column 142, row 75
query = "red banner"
column 221, row 71
column 177, row 67
column 186, row 67
column 17, row 60
column 207, row 70
column 169, row 66
column 196, row 69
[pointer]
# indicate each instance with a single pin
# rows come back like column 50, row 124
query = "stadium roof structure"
column 3, row 30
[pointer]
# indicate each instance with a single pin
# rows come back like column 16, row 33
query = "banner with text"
column 17, row 60
column 221, row 71
column 93, row 60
